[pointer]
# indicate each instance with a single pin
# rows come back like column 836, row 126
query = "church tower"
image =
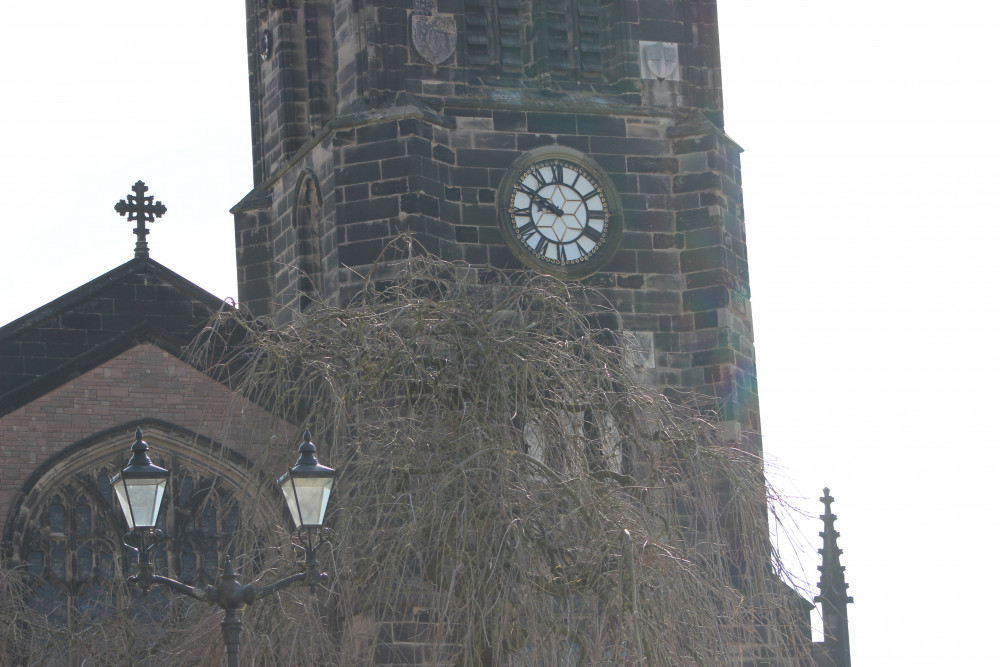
column 582, row 138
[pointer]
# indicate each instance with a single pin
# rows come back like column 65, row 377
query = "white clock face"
column 558, row 212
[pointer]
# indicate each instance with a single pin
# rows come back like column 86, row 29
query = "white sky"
column 870, row 179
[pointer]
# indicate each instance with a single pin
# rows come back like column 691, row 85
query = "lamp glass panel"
column 119, row 487
column 313, row 495
column 143, row 498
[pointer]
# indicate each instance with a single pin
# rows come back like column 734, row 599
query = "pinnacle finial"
column 833, row 596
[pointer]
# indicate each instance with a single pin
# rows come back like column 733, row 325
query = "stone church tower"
column 578, row 137
column 581, row 138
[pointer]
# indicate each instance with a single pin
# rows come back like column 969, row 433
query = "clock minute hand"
column 542, row 202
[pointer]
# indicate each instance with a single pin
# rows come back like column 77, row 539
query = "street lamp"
column 140, row 487
column 307, row 489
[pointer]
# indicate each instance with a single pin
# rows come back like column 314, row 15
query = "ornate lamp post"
column 140, row 487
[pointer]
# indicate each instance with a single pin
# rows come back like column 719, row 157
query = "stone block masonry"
column 411, row 145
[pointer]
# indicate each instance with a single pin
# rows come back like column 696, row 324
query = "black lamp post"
column 140, row 487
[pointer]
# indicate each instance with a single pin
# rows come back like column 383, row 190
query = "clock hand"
column 542, row 202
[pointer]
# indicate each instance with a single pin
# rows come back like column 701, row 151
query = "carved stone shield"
column 659, row 60
column 434, row 37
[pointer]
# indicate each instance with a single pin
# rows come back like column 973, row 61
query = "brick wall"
column 143, row 383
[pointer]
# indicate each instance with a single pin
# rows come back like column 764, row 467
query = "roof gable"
column 139, row 301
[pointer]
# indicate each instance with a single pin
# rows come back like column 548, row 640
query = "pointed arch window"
column 308, row 260
column 67, row 530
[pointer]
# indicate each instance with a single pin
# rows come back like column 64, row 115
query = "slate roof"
column 139, row 301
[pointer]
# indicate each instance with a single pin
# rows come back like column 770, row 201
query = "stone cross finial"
column 141, row 209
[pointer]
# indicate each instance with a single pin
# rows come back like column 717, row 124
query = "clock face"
column 558, row 212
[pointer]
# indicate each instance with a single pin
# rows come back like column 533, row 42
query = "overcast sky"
column 870, row 178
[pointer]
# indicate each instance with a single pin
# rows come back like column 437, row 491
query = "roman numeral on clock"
column 526, row 228
column 592, row 234
column 542, row 245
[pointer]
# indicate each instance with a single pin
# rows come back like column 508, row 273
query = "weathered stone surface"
column 434, row 37
column 423, row 123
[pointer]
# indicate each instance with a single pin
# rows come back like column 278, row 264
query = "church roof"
column 139, row 301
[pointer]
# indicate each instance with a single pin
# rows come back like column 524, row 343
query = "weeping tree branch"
column 511, row 489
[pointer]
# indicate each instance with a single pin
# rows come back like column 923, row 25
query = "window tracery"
column 587, row 438
column 70, row 528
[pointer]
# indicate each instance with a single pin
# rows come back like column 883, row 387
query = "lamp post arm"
column 207, row 594
column 252, row 593
column 145, row 580
column 310, row 576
